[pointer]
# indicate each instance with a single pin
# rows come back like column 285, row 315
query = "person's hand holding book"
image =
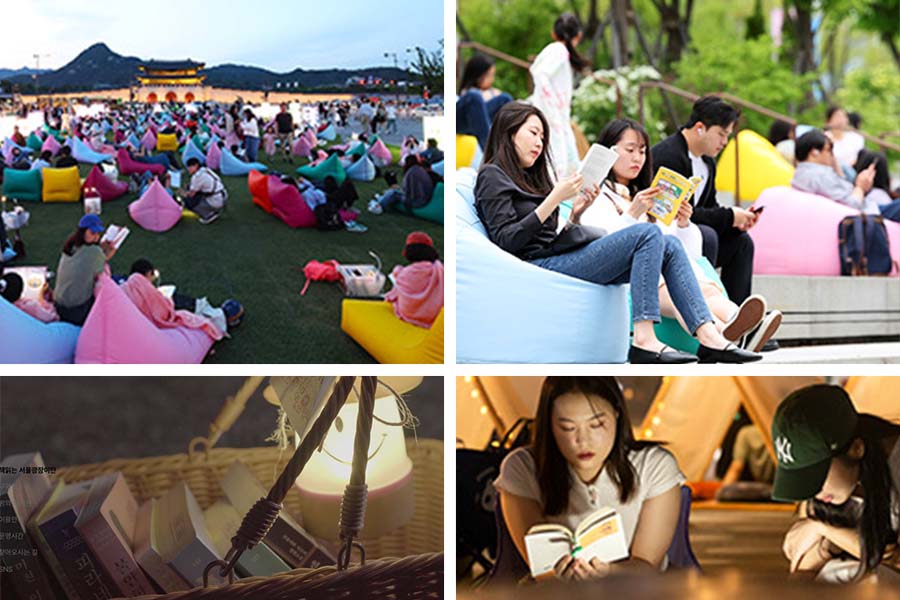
column 570, row 568
column 582, row 202
column 684, row 214
column 642, row 202
column 565, row 188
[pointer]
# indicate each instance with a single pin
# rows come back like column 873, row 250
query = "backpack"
column 864, row 246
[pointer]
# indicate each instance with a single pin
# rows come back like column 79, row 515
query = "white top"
column 699, row 169
column 553, row 86
column 847, row 148
column 391, row 112
column 250, row 128
column 656, row 469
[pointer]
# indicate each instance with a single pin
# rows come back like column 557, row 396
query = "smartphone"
column 757, row 210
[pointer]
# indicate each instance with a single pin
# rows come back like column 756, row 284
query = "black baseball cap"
column 811, row 426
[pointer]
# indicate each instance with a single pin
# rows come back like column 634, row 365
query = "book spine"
column 46, row 552
column 115, row 559
column 160, row 572
column 192, row 560
column 20, row 559
column 82, row 569
column 293, row 547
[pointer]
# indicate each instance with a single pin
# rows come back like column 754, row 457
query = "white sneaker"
column 375, row 207
column 756, row 339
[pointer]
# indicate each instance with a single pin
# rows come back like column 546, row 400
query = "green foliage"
column 756, row 22
column 429, row 65
column 873, row 93
column 594, row 103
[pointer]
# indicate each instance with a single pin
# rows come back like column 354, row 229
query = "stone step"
column 876, row 353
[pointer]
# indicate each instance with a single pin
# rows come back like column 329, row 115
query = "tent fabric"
column 148, row 141
column 155, row 210
column 191, row 151
column 589, row 323
column 129, row 166
column 117, row 332
column 288, row 204
column 373, row 325
column 784, row 248
column 258, row 184
column 27, row 340
column 51, row 144
column 876, row 395
column 214, row 156
column 106, row 187
column 761, row 166
column 61, row 185
column 331, row 166
column 22, row 185
column 380, row 154
column 361, row 170
column 84, row 154
column 167, row 142
column 231, row 165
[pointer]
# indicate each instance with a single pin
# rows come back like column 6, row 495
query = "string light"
column 467, row 379
column 483, row 409
column 474, row 394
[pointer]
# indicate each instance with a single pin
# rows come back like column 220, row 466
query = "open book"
column 673, row 190
column 600, row 535
column 596, row 164
column 115, row 235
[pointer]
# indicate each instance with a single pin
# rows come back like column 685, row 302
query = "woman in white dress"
column 553, row 74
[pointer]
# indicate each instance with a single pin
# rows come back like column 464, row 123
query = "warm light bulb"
column 648, row 433
column 474, row 393
column 483, row 409
column 467, row 379
column 656, row 420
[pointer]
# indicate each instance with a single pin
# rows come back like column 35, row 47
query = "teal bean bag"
column 330, row 166
column 22, row 185
column 433, row 211
column 670, row 331
column 34, row 142
column 358, row 150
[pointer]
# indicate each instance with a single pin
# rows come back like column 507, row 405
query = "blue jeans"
column 474, row 115
column 391, row 197
column 891, row 211
column 251, row 144
column 637, row 255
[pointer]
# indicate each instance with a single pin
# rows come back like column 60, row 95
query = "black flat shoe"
column 730, row 354
column 639, row 356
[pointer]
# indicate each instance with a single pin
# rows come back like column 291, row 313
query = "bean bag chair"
column 321, row 155
column 106, row 187
column 359, row 149
column 761, row 166
column 50, row 144
column 468, row 154
column 433, row 211
column 231, row 165
column 361, row 170
column 167, row 142
column 156, row 159
column 329, row 133
column 155, row 210
column 269, row 144
column 117, row 332
column 373, row 325
column 191, row 151
column 53, row 132
column 380, row 154
column 670, row 331
column 310, row 136
column 85, row 154
column 330, row 166
column 798, row 234
column 34, row 142
column 258, row 183
column 438, row 168
column 589, row 323
column 22, row 185
column 288, row 204
column 27, row 340
column 134, row 141
column 61, row 185
column 302, row 147
column 148, row 141
column 214, row 156
column 129, row 166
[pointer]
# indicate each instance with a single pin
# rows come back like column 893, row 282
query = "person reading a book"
column 42, row 309
column 83, row 258
column 478, row 100
column 627, row 198
column 206, row 194
column 844, row 468
column 691, row 152
column 583, row 457
column 887, row 200
column 518, row 202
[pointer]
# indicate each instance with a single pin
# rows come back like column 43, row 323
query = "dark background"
column 77, row 420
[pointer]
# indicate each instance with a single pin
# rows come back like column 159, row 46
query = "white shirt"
column 699, row 169
column 250, row 128
column 847, row 148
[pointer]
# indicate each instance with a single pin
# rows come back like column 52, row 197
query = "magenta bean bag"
column 213, row 156
column 156, row 210
column 50, row 144
column 380, row 154
column 302, row 147
column 106, row 187
column 129, row 166
column 117, row 332
column 798, row 234
column 288, row 204
column 149, row 140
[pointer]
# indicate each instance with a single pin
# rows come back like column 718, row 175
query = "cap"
column 419, row 237
column 92, row 223
column 811, row 426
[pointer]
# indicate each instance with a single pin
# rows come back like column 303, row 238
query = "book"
column 302, row 399
column 146, row 551
column 183, row 540
column 595, row 165
column 167, row 290
column 115, row 235
column 223, row 521
column 286, row 537
column 600, row 535
column 674, row 189
column 24, row 484
column 107, row 524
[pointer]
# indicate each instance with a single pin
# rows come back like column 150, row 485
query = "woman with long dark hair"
column 517, row 201
column 478, row 100
column 845, row 468
column 584, row 457
column 880, row 195
column 553, row 73
column 83, row 259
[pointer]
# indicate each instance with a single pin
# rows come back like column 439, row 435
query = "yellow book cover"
column 673, row 190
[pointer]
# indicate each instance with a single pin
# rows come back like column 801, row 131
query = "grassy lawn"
column 248, row 255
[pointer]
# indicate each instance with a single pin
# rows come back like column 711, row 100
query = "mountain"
column 98, row 67
column 7, row 73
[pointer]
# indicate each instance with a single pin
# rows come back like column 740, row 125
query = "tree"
column 429, row 65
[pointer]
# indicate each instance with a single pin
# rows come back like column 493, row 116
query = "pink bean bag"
column 149, row 141
column 214, row 156
column 380, row 154
column 798, row 234
column 106, row 187
column 302, row 147
column 288, row 204
column 128, row 165
column 117, row 332
column 50, row 144
column 156, row 210
column 310, row 136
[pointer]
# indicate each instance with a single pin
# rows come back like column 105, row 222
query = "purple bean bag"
column 50, row 144
column 213, row 156
column 149, row 140
column 156, row 210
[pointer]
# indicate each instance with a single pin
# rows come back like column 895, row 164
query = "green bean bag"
column 358, row 150
column 22, row 185
column 34, row 142
column 330, row 166
column 433, row 211
column 670, row 331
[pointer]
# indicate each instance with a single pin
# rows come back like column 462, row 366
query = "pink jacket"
column 161, row 310
column 418, row 292
column 42, row 311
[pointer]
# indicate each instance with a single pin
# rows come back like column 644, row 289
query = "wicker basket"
column 418, row 574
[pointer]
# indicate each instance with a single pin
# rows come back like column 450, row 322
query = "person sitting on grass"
column 42, row 309
column 43, row 161
column 19, row 160
column 83, row 259
column 65, row 159
column 818, row 172
column 206, row 195
column 415, row 190
column 418, row 292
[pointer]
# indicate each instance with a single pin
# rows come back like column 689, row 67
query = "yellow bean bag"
column 166, row 142
column 762, row 166
column 61, row 185
column 467, row 151
column 388, row 339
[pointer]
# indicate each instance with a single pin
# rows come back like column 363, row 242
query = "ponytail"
column 566, row 28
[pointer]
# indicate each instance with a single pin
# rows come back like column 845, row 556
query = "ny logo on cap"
column 783, row 450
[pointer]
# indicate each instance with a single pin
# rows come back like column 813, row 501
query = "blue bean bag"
column 510, row 311
column 191, row 151
column 330, row 166
column 231, row 165
column 329, row 133
column 85, row 154
column 134, row 141
column 361, row 170
column 156, row 159
column 438, row 168
column 22, row 185
column 27, row 340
